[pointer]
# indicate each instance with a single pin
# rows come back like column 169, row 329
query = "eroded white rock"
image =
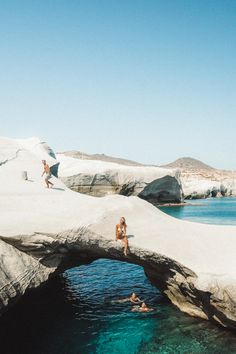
column 100, row 178
column 202, row 181
column 44, row 231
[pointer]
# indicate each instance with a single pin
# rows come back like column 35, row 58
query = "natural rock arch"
column 45, row 231
column 71, row 248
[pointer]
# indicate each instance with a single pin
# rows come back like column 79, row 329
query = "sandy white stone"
column 44, row 231
column 100, row 178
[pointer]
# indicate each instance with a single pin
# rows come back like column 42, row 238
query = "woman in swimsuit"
column 121, row 233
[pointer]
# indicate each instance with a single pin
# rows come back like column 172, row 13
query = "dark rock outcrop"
column 163, row 190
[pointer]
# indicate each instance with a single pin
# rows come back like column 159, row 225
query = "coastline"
column 189, row 203
column 46, row 231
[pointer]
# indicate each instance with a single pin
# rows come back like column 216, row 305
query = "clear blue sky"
column 147, row 80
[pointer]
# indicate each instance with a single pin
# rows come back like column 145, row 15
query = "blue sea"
column 78, row 312
column 221, row 211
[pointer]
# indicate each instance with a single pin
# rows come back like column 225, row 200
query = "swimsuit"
column 121, row 231
column 48, row 176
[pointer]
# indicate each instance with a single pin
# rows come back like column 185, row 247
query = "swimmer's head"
column 143, row 305
column 133, row 295
column 44, row 162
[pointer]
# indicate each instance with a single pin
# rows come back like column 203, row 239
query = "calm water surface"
column 77, row 313
column 221, row 211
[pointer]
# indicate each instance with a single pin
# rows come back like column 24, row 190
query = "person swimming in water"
column 142, row 308
column 132, row 298
column 121, row 233
column 135, row 299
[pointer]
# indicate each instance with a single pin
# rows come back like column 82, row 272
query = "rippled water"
column 77, row 313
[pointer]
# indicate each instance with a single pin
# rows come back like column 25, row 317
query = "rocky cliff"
column 45, row 231
column 202, row 181
column 100, row 178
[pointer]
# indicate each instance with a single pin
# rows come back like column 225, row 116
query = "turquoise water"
column 77, row 313
column 221, row 211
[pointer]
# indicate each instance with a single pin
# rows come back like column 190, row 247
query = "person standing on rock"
column 121, row 233
column 47, row 171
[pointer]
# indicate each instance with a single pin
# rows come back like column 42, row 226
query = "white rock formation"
column 44, row 231
column 198, row 187
column 100, row 178
column 202, row 181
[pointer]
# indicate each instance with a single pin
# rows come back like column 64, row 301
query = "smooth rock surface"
column 99, row 178
column 45, row 231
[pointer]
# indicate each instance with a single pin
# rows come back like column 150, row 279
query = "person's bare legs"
column 48, row 183
column 125, row 246
column 51, row 184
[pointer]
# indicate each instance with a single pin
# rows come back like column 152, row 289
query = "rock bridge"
column 45, row 231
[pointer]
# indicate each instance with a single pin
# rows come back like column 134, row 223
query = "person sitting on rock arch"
column 121, row 233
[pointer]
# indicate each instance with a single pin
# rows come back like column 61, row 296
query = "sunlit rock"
column 100, row 178
column 45, row 231
column 202, row 181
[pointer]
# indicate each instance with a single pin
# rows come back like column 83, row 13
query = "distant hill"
column 188, row 163
column 184, row 163
column 101, row 157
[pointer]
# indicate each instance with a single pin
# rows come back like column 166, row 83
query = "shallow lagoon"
column 77, row 313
